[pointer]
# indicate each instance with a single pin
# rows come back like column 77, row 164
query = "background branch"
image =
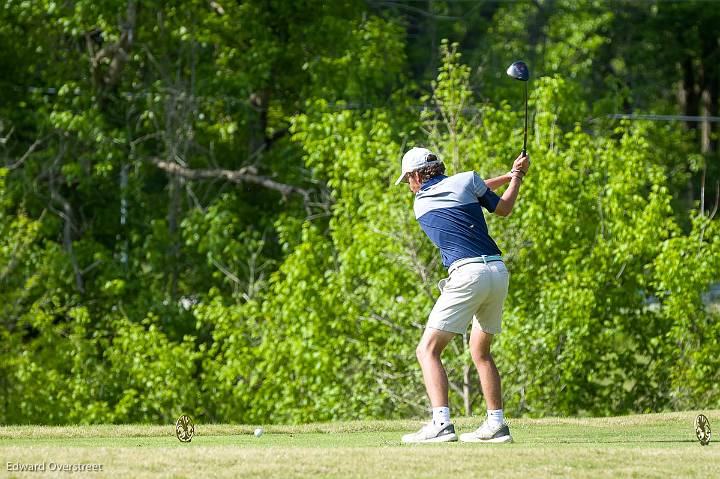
column 243, row 175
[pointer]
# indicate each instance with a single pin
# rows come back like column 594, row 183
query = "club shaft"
column 524, row 150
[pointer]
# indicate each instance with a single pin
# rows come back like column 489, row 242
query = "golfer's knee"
column 426, row 351
column 481, row 357
column 420, row 352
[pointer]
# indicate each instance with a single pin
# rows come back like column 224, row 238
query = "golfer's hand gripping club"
column 521, row 163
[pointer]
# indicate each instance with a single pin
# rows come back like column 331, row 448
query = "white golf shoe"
column 492, row 433
column 432, row 433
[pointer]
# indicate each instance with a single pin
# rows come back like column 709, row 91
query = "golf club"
column 519, row 71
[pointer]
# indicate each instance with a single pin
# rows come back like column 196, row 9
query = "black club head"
column 519, row 71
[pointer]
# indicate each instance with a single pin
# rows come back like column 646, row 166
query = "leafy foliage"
column 197, row 212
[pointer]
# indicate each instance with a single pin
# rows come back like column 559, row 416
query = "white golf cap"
column 415, row 159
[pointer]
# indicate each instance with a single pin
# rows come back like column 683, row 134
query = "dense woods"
column 197, row 212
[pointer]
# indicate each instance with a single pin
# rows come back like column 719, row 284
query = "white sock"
column 495, row 416
column 441, row 415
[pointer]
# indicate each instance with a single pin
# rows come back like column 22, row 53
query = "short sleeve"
column 489, row 200
column 479, row 186
column 486, row 197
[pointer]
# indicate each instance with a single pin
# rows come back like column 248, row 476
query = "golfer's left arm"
column 498, row 181
column 521, row 163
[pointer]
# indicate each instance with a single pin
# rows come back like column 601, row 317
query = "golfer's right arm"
column 507, row 200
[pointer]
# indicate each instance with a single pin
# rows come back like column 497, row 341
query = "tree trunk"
column 467, row 376
column 467, row 390
column 689, row 104
column 174, row 250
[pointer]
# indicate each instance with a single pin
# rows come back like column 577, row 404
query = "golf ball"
column 258, row 432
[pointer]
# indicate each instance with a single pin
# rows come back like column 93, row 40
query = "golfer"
column 449, row 210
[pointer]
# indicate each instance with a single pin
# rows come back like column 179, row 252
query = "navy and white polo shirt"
column 449, row 210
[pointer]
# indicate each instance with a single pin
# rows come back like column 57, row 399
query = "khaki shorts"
column 474, row 291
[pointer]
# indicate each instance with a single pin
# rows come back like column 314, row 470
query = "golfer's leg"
column 489, row 377
column 428, row 353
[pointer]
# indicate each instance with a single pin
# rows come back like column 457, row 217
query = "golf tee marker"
column 702, row 429
column 184, row 428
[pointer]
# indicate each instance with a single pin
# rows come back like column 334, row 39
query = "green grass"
column 653, row 445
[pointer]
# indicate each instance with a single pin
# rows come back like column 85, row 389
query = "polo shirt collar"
column 432, row 181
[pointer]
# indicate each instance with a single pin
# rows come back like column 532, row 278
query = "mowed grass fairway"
column 653, row 445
